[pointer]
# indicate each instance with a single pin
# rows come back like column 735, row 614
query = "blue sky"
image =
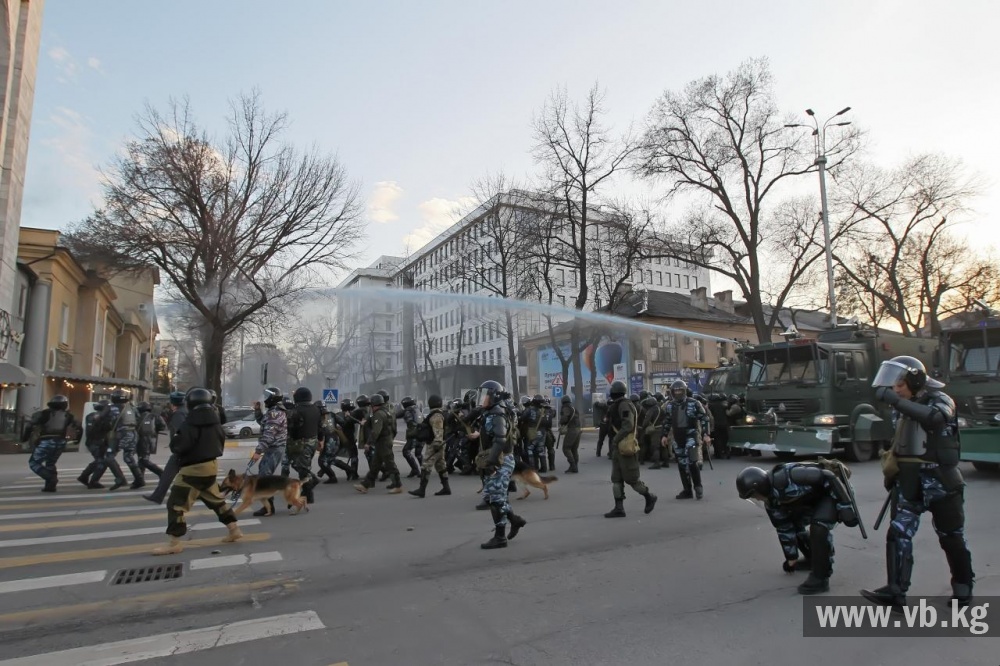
column 421, row 98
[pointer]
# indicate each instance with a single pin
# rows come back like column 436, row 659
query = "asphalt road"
column 390, row 579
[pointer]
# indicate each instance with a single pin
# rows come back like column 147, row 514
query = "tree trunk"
column 511, row 332
column 215, row 343
column 574, row 355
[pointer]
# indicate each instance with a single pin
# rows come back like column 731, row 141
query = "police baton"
column 885, row 508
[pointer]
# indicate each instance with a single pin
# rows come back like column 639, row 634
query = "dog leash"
column 234, row 495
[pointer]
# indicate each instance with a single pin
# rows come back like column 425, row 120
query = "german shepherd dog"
column 527, row 475
column 263, row 488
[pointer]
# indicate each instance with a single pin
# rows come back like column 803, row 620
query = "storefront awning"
column 15, row 374
column 102, row 381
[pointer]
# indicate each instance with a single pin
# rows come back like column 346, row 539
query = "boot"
column 544, row 467
column 821, row 557
column 154, row 468
column 396, row 486
column 650, row 502
column 331, row 476
column 119, row 483
column 618, row 511
column 552, row 460
column 535, row 462
column 234, row 533
column 173, row 547
column 445, row 488
column 684, row 494
column 150, row 498
column 898, row 575
column 50, row 485
column 138, row 477
column 699, row 492
column 307, row 490
column 84, row 478
column 814, row 585
column 960, row 563
column 686, row 481
column 498, row 540
column 516, row 523
column 422, row 490
column 696, row 476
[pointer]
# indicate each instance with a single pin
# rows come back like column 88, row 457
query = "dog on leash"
column 263, row 488
column 527, row 475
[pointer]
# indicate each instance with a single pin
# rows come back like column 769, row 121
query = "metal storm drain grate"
column 148, row 574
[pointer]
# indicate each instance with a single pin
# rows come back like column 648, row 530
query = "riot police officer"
column 686, row 427
column 804, row 503
column 94, row 437
column 413, row 448
column 569, row 428
column 498, row 441
column 273, row 438
column 921, row 471
column 625, row 464
column 150, row 427
column 51, row 426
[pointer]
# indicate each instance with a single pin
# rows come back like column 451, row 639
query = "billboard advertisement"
column 607, row 360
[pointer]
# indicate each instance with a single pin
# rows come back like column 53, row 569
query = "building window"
column 22, row 302
column 477, row 358
column 659, row 279
column 491, row 357
column 668, row 280
column 699, row 350
column 562, row 301
column 64, row 325
column 649, row 277
column 499, row 355
column 677, row 278
column 694, row 280
column 388, row 324
column 687, row 281
column 722, row 350
column 663, row 348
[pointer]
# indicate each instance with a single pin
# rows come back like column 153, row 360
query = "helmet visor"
column 756, row 501
column 889, row 374
column 481, row 397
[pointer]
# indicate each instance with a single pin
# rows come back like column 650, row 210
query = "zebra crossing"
column 48, row 540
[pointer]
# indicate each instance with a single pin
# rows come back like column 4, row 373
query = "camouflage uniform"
column 685, row 424
column 569, row 428
column 380, row 439
column 119, row 435
column 52, row 425
column 272, row 440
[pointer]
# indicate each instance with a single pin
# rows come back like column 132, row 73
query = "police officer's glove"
column 700, row 465
column 887, row 395
column 788, row 566
column 888, row 482
column 846, row 515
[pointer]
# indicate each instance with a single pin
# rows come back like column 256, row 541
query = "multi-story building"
column 471, row 306
column 367, row 325
column 84, row 334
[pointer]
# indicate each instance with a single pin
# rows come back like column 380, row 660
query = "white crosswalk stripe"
column 48, row 497
column 116, row 534
column 63, row 580
column 79, row 512
column 182, row 642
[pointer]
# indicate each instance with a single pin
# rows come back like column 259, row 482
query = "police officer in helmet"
column 624, row 466
column 923, row 477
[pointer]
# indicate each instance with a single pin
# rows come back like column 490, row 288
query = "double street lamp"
column 819, row 135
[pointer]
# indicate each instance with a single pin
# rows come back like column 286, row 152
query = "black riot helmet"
column 377, row 400
column 58, row 402
column 272, row 396
column 384, row 394
column 302, row 394
column 566, row 400
column 321, row 406
column 119, row 396
column 470, row 397
column 197, row 397
column 346, row 405
column 407, row 402
column 489, row 390
column 617, row 390
column 659, row 397
column 538, row 400
column 215, row 397
column 144, row 407
column 288, row 404
column 363, row 401
column 435, row 402
column 643, row 395
column 733, row 398
column 634, row 398
column 648, row 402
column 906, row 369
column 678, row 390
column 753, row 481
column 525, row 401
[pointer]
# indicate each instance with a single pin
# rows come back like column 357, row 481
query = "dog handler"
column 198, row 445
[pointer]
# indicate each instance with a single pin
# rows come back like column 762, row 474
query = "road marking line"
column 145, row 602
column 78, row 512
column 51, row 496
column 52, row 581
column 116, row 534
column 106, row 500
column 98, row 553
column 235, row 560
column 86, row 522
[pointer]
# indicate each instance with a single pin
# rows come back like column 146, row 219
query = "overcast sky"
column 420, row 98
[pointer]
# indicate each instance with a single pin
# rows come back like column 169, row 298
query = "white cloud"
column 383, row 200
column 438, row 215
column 71, row 145
column 66, row 65
column 95, row 64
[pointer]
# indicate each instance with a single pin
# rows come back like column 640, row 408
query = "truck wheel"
column 859, row 451
column 985, row 466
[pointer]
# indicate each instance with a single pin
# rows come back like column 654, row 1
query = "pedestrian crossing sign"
column 331, row 396
column 558, row 380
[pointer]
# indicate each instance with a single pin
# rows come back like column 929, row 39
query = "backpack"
column 424, row 432
column 147, row 426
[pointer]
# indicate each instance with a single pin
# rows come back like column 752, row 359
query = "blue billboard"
column 607, row 360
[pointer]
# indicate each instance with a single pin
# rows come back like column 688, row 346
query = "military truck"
column 726, row 380
column 970, row 365
column 809, row 396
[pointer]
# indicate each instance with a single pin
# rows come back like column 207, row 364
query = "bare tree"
column 908, row 262
column 579, row 155
column 315, row 350
column 723, row 143
column 236, row 226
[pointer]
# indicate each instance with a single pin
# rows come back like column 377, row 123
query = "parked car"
column 246, row 426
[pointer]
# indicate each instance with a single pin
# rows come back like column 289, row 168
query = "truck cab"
column 970, row 366
column 813, row 396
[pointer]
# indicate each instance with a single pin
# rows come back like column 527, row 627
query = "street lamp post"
column 819, row 134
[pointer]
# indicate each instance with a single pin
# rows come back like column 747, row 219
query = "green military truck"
column 813, row 396
column 970, row 358
column 726, row 380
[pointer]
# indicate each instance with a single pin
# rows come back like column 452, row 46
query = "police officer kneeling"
column 921, row 472
column 804, row 503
